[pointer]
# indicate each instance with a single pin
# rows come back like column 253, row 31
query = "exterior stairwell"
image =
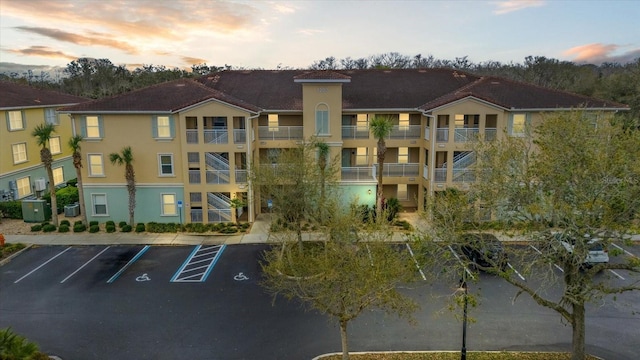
column 219, row 207
column 217, row 169
column 461, row 164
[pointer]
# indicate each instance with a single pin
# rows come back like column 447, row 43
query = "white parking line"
column 461, row 262
column 85, row 264
column 540, row 252
column 416, row 262
column 625, row 251
column 516, row 271
column 48, row 261
column 616, row 274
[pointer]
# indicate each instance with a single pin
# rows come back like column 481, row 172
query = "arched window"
column 322, row 119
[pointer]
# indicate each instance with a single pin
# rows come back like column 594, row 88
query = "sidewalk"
column 259, row 233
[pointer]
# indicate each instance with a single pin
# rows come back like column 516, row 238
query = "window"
column 99, row 202
column 361, row 122
column 403, row 155
column 163, row 127
column 58, row 176
column 96, row 166
column 15, row 120
column 165, row 164
column 322, row 119
column 54, row 145
column 92, row 127
column 404, row 122
column 168, row 204
column 361, row 156
column 402, row 192
column 273, row 122
column 50, row 116
column 518, row 124
column 19, row 153
column 24, row 186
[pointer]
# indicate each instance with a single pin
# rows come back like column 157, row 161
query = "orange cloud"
column 505, row 7
column 99, row 39
column 193, row 60
column 42, row 51
column 590, row 52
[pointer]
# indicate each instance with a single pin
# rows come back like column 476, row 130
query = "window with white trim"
column 92, row 127
column 15, row 120
column 168, row 204
column 19, row 152
column 322, row 119
column 58, row 175
column 24, row 186
column 51, row 117
column 163, row 127
column 165, row 164
column 403, row 194
column 517, row 124
column 99, row 204
column 273, row 122
column 54, row 145
column 403, row 155
column 96, row 165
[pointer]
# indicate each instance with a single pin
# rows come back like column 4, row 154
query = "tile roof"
column 165, row 97
column 15, row 95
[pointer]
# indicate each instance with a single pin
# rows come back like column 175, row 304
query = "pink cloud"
column 42, row 51
column 505, row 7
column 597, row 53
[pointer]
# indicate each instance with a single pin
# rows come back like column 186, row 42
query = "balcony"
column 280, row 132
column 192, row 136
column 440, row 175
column 196, row 215
column 405, row 132
column 401, row 170
column 194, row 177
column 442, row 135
column 217, row 176
column 425, row 172
column 465, row 134
column 490, row 134
column 241, row 176
column 219, row 136
column 464, row 175
column 239, row 136
column 427, row 133
column 358, row 174
column 355, row 132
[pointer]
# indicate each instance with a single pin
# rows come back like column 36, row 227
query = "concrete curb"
column 319, row 357
column 15, row 254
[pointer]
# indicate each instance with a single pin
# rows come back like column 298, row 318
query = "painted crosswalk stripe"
column 198, row 266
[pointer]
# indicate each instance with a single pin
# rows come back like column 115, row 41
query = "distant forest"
column 98, row 78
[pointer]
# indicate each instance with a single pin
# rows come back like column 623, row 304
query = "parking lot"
column 205, row 302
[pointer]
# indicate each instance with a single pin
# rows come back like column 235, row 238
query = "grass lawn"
column 456, row 356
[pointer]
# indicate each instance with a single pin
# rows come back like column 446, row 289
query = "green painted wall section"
column 148, row 204
column 359, row 193
column 39, row 172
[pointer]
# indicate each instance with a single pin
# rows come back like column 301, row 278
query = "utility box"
column 35, row 211
column 72, row 210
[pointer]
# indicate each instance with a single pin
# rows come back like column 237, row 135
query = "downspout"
column 73, row 125
column 247, row 126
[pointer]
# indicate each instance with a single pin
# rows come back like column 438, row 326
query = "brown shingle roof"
column 322, row 75
column 165, row 97
column 15, row 95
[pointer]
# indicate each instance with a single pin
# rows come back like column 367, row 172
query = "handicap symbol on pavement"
column 240, row 277
column 143, row 277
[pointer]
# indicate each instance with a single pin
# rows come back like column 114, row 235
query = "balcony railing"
column 239, row 136
column 192, row 136
column 219, row 215
column 490, row 134
column 464, row 175
column 241, row 176
column 358, row 174
column 466, row 134
column 194, row 177
column 440, row 175
column 220, row 136
column 217, row 176
column 355, row 132
column 196, row 215
column 405, row 132
column 442, row 135
column 280, row 132
column 402, row 170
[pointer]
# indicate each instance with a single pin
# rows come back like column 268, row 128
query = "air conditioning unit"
column 41, row 184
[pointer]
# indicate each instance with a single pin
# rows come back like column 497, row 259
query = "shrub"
column 229, row 230
column 155, row 227
column 64, row 196
column 9, row 249
column 11, row 209
column 121, row 224
column 14, row 346
column 72, row 182
column 197, row 228
column 127, row 228
column 110, row 228
column 139, row 227
column 91, row 223
column 94, row 228
column 79, row 227
column 110, row 222
column 65, row 222
column 63, row 228
column 77, row 222
column 49, row 228
column 37, row 227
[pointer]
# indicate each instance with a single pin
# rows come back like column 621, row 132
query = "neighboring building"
column 22, row 175
column 193, row 140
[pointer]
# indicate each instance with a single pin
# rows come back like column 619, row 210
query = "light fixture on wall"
column 369, row 191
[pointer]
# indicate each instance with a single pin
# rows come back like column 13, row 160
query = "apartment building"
column 195, row 140
column 22, row 175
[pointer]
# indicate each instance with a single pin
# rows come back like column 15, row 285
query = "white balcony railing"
column 355, row 132
column 280, row 132
column 192, row 136
column 465, row 134
column 442, row 135
column 220, row 136
column 464, row 175
column 239, row 136
column 427, row 133
column 405, row 132
column 425, row 172
column 440, row 175
column 358, row 174
column 217, row 176
column 194, row 177
column 241, row 176
column 490, row 134
column 196, row 215
column 401, row 170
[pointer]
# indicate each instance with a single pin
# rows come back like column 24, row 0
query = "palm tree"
column 381, row 127
column 74, row 145
column 42, row 133
column 323, row 154
column 126, row 158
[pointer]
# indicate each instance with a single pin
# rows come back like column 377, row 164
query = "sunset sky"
column 268, row 34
